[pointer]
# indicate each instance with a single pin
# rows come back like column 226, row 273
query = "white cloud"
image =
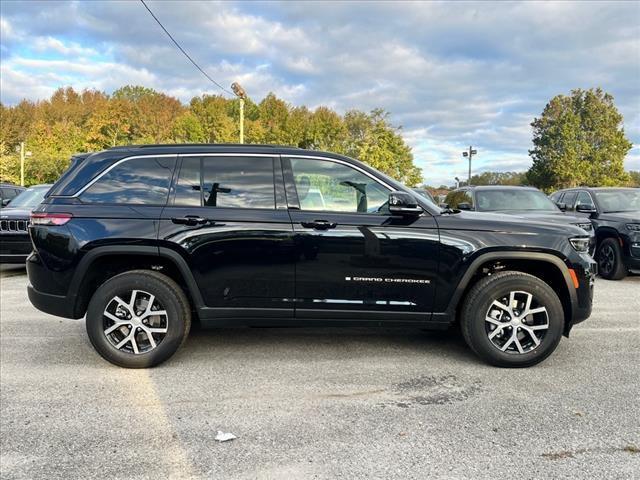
column 451, row 73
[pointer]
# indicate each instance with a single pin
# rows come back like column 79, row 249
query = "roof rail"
column 155, row 145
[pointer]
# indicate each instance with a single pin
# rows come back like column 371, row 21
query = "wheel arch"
column 102, row 263
column 549, row 268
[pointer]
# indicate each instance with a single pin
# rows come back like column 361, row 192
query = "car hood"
column 499, row 222
column 8, row 213
column 621, row 216
column 557, row 217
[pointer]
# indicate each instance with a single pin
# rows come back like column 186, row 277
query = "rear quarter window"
column 139, row 181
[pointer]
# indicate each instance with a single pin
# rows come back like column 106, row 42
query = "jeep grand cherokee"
column 143, row 239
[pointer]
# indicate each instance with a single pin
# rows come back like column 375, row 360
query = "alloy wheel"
column 606, row 259
column 137, row 325
column 516, row 323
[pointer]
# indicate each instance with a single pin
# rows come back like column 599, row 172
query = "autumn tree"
column 579, row 140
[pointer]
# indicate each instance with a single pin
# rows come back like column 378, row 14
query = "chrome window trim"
column 169, row 155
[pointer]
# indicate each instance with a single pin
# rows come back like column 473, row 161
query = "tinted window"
column 619, row 200
column 584, row 199
column 238, row 182
column 457, row 197
column 513, row 199
column 138, row 181
column 188, row 188
column 30, row 198
column 569, row 199
column 556, row 197
column 330, row 186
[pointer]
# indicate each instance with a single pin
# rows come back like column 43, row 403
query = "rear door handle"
column 319, row 224
column 191, row 220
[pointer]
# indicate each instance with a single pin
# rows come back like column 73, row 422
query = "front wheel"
column 512, row 319
column 138, row 319
column 609, row 257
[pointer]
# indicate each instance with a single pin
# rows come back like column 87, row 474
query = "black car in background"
column 15, row 244
column 526, row 202
column 615, row 215
column 142, row 239
column 8, row 191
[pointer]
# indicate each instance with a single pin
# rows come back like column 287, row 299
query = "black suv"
column 15, row 244
column 527, row 202
column 615, row 214
column 142, row 239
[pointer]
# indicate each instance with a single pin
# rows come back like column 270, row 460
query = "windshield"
column 516, row 199
column 618, row 200
column 31, row 197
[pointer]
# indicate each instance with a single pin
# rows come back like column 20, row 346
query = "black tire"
column 476, row 329
column 610, row 262
column 176, row 321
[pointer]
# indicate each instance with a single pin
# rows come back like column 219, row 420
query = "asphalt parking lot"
column 319, row 403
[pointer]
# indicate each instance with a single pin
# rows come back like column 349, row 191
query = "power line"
column 184, row 52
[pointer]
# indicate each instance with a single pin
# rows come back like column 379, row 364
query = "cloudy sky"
column 451, row 74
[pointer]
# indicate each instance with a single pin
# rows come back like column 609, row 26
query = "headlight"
column 580, row 244
column 634, row 227
column 585, row 226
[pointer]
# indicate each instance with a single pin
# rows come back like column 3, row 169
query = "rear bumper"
column 58, row 305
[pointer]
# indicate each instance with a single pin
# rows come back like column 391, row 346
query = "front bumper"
column 586, row 281
column 14, row 248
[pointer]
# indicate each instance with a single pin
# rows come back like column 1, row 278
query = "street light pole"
column 22, row 164
column 470, row 153
column 242, row 95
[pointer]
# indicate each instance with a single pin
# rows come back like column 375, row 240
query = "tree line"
column 70, row 122
column 577, row 140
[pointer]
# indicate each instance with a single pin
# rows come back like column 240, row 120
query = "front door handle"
column 319, row 224
column 190, row 220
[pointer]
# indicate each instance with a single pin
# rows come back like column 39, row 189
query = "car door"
column 569, row 199
column 227, row 219
column 354, row 260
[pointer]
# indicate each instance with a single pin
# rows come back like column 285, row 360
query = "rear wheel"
column 609, row 257
column 138, row 319
column 512, row 319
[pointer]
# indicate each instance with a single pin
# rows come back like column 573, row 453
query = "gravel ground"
column 319, row 403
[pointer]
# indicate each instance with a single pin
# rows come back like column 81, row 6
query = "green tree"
column 499, row 178
column 578, row 140
column 373, row 140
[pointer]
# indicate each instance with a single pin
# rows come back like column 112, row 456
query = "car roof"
column 596, row 189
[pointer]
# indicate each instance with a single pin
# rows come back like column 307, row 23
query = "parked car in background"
column 15, row 244
column 8, row 191
column 615, row 215
column 526, row 202
column 138, row 239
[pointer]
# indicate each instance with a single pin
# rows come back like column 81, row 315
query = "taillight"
column 50, row 218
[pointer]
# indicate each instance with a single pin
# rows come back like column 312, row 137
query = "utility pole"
column 22, row 164
column 469, row 153
column 242, row 95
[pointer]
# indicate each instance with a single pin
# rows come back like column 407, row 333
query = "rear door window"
column 226, row 182
column 139, row 181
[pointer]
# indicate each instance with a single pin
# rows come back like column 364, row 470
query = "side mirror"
column 562, row 206
column 585, row 208
column 401, row 203
column 5, row 201
column 464, row 206
column 444, row 205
